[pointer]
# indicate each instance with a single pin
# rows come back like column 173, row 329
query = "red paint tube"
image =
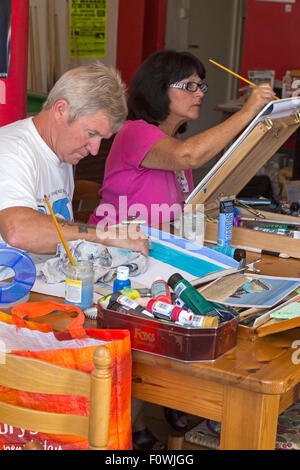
column 160, row 291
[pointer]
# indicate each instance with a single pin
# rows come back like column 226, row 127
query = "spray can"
column 191, row 297
column 122, row 281
column 160, row 291
column 169, row 312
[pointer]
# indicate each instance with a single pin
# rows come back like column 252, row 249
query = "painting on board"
column 5, row 33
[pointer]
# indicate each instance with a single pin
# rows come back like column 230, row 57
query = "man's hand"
column 28, row 229
column 128, row 237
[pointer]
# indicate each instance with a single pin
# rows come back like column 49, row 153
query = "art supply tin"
column 174, row 341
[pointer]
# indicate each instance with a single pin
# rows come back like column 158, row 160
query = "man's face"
column 82, row 137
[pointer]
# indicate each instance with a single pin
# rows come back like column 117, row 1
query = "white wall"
column 39, row 8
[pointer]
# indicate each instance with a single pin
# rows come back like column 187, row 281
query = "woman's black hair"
column 148, row 97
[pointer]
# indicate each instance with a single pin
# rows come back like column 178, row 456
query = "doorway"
column 209, row 29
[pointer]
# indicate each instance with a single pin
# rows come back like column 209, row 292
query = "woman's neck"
column 170, row 125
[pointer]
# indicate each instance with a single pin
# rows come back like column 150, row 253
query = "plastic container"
column 80, row 284
column 193, row 226
column 122, row 281
column 287, row 85
column 17, row 290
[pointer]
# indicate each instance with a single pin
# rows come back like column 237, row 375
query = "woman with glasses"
column 148, row 171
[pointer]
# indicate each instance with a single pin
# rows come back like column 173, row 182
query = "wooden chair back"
column 37, row 376
column 85, row 199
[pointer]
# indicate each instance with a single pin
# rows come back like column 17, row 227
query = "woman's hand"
column 260, row 96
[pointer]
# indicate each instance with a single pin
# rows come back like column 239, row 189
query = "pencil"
column 60, row 232
column 235, row 74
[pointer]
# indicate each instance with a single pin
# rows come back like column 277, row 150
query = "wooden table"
column 245, row 390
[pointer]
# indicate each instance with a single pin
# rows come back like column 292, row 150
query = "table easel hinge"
column 268, row 122
column 297, row 115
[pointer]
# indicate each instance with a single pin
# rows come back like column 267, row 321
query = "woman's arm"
column 169, row 153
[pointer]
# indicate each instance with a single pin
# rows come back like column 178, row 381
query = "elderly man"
column 37, row 156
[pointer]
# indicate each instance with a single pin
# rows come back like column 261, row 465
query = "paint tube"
column 225, row 221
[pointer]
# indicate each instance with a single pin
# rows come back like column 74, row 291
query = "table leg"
column 249, row 420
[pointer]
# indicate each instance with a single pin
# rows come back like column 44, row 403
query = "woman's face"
column 185, row 104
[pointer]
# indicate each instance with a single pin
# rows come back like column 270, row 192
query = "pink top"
column 130, row 189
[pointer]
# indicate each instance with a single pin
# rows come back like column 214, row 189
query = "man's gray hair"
column 90, row 88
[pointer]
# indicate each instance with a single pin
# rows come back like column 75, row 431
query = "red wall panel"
column 154, row 26
column 271, row 38
column 15, row 86
column 141, row 31
column 130, row 37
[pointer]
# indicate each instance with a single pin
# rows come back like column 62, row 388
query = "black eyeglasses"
column 191, row 86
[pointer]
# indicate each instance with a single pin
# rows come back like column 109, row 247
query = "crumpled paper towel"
column 105, row 260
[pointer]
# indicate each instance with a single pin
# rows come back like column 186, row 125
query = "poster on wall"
column 5, row 33
column 88, row 28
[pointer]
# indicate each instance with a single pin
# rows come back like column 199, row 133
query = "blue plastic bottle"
column 122, row 281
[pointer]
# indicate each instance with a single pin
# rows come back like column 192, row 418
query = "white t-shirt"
column 29, row 170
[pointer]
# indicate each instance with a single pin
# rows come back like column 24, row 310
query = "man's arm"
column 30, row 230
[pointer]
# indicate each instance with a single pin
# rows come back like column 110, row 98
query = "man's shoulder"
column 17, row 138
column 18, row 130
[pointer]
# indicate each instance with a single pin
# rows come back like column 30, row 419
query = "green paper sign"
column 88, row 28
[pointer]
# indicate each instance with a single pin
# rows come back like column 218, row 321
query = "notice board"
column 88, row 28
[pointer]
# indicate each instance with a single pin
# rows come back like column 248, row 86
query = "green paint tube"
column 191, row 297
